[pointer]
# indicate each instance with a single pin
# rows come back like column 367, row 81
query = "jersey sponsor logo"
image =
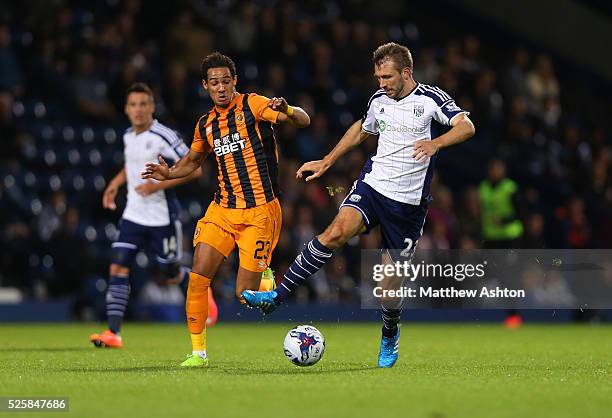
column 419, row 110
column 228, row 144
column 383, row 126
column 355, row 198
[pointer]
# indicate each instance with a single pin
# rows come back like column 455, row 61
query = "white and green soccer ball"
column 304, row 345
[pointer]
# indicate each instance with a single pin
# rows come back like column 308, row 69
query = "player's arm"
column 295, row 116
column 185, row 167
column 462, row 129
column 178, row 181
column 108, row 198
column 351, row 138
column 151, row 187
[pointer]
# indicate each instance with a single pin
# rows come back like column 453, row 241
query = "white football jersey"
column 158, row 208
column 393, row 171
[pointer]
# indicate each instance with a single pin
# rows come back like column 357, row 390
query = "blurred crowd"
column 65, row 66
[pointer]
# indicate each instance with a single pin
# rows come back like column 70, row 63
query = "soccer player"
column 393, row 188
column 245, row 211
column 150, row 219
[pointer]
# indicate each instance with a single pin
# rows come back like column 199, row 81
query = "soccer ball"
column 304, row 345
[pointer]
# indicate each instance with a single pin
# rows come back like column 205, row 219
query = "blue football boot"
column 261, row 300
column 389, row 351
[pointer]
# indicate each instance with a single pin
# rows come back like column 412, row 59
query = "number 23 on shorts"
column 262, row 250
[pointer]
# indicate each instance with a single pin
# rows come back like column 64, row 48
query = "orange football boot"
column 106, row 339
column 213, row 310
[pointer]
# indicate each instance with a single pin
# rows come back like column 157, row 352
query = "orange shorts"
column 255, row 230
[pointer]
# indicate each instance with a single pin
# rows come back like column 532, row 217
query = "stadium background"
column 64, row 68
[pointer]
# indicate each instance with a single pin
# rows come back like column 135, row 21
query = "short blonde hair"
column 399, row 54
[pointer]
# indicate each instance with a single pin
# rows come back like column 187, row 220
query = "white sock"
column 199, row 353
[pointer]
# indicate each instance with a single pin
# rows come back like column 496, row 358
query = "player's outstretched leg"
column 267, row 288
column 308, row 262
column 117, row 296
column 389, row 342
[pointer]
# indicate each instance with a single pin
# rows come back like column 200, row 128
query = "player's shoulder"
column 128, row 134
column 253, row 96
column 206, row 117
column 378, row 95
column 164, row 132
column 254, row 99
column 435, row 93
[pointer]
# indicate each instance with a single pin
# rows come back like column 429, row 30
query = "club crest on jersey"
column 239, row 117
column 355, row 198
column 419, row 110
column 228, row 144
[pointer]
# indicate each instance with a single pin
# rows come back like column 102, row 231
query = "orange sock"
column 196, row 308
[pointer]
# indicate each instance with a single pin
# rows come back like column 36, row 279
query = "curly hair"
column 217, row 59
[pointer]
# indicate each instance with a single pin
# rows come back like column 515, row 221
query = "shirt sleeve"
column 259, row 106
column 368, row 120
column 173, row 148
column 447, row 110
column 199, row 144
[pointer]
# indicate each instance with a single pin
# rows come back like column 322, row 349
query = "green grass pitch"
column 444, row 371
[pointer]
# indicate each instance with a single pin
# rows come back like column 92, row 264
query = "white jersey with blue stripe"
column 156, row 209
column 399, row 124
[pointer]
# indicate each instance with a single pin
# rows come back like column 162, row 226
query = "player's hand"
column 279, row 104
column 318, row 168
column 108, row 198
column 159, row 171
column 424, row 150
column 147, row 188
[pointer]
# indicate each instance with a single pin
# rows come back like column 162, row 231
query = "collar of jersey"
column 416, row 86
column 231, row 104
column 144, row 132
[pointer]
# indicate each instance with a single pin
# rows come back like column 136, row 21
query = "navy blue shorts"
column 401, row 224
column 163, row 242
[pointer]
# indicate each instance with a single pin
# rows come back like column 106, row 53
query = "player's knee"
column 118, row 270
column 203, row 266
column 334, row 236
column 122, row 257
